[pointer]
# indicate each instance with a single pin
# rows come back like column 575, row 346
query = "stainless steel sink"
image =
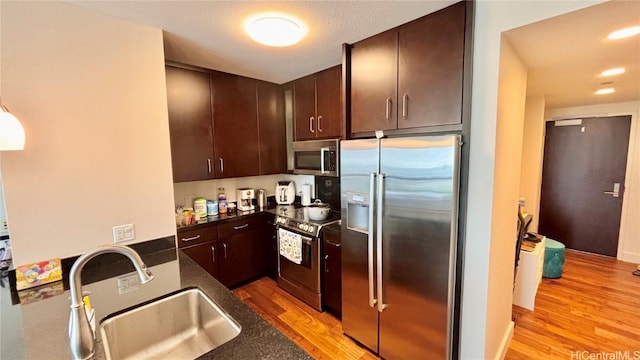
column 180, row 325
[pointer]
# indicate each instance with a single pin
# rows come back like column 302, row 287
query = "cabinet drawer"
column 197, row 236
column 248, row 223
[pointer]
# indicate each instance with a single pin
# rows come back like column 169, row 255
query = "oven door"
column 307, row 273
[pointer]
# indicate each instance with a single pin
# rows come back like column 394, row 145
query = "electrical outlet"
column 122, row 233
column 128, row 283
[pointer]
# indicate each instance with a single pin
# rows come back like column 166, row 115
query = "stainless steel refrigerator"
column 399, row 200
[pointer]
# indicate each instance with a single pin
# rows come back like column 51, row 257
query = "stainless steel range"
column 299, row 266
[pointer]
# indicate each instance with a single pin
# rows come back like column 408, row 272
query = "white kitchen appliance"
column 244, row 199
column 285, row 192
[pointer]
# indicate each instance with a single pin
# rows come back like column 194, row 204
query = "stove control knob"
column 305, row 227
column 300, row 226
column 311, row 228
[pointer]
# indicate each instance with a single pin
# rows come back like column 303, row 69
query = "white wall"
column 512, row 89
column 478, row 300
column 532, row 154
column 629, row 240
column 90, row 91
column 209, row 188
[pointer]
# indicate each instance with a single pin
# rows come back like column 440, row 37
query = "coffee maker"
column 244, row 199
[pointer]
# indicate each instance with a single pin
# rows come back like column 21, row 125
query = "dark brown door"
column 332, row 288
column 242, row 257
column 271, row 129
column 430, row 68
column 305, row 108
column 374, row 83
column 189, row 106
column 235, row 126
column 581, row 165
column 328, row 108
column 205, row 256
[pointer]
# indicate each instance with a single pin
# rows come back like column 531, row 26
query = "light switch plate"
column 122, row 233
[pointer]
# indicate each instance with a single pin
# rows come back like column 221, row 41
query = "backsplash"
column 209, row 188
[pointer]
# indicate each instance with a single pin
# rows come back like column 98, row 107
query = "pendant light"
column 11, row 131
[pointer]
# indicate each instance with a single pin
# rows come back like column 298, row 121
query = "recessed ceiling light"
column 275, row 29
column 624, row 33
column 605, row 91
column 611, row 72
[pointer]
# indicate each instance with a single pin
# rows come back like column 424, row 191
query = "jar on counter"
column 222, row 201
column 212, row 207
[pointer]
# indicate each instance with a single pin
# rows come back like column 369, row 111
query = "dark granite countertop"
column 39, row 330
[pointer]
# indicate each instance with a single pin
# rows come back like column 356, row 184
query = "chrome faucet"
column 81, row 334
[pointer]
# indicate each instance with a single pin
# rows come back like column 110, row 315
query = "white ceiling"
column 563, row 54
column 209, row 33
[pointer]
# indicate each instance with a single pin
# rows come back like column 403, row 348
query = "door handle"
column 191, row 238
column 381, row 304
column 213, row 254
column 405, row 106
column 221, row 165
column 323, row 151
column 240, row 227
column 326, row 269
column 616, row 190
column 209, row 165
column 320, row 123
column 311, row 125
column 224, row 246
column 387, row 115
column 372, row 299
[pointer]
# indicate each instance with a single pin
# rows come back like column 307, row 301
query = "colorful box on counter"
column 38, row 273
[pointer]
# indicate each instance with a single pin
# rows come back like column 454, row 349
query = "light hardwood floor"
column 593, row 307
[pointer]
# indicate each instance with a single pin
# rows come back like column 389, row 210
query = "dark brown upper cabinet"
column 410, row 76
column 224, row 125
column 191, row 134
column 235, row 125
column 317, row 106
column 271, row 128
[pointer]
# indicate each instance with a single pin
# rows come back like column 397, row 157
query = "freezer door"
column 419, row 216
column 358, row 161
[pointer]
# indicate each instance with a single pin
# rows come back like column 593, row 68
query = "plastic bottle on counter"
column 200, row 207
column 212, row 207
column 222, row 201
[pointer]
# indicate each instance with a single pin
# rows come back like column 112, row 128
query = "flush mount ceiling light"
column 624, row 33
column 605, row 91
column 611, row 72
column 275, row 29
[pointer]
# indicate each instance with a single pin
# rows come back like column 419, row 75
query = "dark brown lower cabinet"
column 271, row 246
column 242, row 250
column 332, row 285
column 205, row 255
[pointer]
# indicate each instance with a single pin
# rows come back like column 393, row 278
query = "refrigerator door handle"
column 372, row 189
column 380, row 199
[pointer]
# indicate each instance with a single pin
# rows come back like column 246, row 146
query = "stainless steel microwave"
column 316, row 157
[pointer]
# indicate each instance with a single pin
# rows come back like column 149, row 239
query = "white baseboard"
column 504, row 344
column 629, row 257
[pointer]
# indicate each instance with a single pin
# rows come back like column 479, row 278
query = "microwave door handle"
column 322, row 152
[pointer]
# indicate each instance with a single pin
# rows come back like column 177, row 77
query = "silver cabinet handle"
column 209, row 165
column 381, row 304
column 387, row 114
column 405, row 106
column 322, row 152
column 221, row 165
column 332, row 243
column 372, row 299
column 616, row 190
column 326, row 268
column 191, row 238
column 320, row 123
column 240, row 227
column 224, row 246
column 213, row 254
column 311, row 125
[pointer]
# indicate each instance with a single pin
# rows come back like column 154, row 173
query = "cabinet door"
column 374, row 83
column 189, row 105
column 271, row 129
column 271, row 246
column 241, row 258
column 205, row 255
column 304, row 100
column 328, row 104
column 235, row 126
column 332, row 253
column 431, row 53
